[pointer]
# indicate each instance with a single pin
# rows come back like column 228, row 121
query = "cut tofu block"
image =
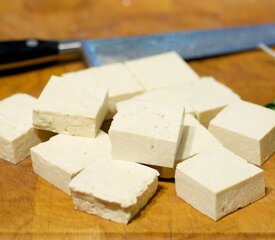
column 113, row 189
column 171, row 96
column 71, row 106
column 162, row 70
column 17, row 134
column 195, row 139
column 208, row 97
column 218, row 182
column 63, row 156
column 116, row 77
column 246, row 129
column 147, row 132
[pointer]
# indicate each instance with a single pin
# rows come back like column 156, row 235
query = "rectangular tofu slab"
column 71, row 106
column 63, row 156
column 218, row 182
column 116, row 77
column 161, row 71
column 17, row 135
column 195, row 139
column 113, row 189
column 146, row 132
column 207, row 97
column 246, row 129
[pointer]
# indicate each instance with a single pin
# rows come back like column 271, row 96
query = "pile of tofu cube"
column 167, row 122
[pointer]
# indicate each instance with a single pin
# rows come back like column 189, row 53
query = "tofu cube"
column 162, row 70
column 146, row 132
column 113, row 189
column 218, row 182
column 195, row 139
column 246, row 129
column 208, row 97
column 17, row 134
column 63, row 157
column 116, row 77
column 71, row 106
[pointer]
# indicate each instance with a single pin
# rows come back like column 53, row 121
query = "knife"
column 189, row 44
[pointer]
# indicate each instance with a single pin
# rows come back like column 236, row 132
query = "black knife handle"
column 22, row 53
column 14, row 51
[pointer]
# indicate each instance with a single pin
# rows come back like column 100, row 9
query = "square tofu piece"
column 195, row 139
column 63, row 156
column 116, row 77
column 71, row 106
column 17, row 134
column 162, row 70
column 246, row 129
column 218, row 182
column 208, row 97
column 113, row 189
column 146, row 132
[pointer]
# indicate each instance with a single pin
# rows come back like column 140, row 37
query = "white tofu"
column 208, row 97
column 113, row 189
column 195, row 139
column 162, row 70
column 17, row 134
column 116, row 77
column 147, row 132
column 168, row 96
column 71, row 106
column 246, row 129
column 218, row 182
column 63, row 156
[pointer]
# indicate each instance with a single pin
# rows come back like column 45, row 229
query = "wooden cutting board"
column 31, row 208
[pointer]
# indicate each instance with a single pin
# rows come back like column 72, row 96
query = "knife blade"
column 189, row 44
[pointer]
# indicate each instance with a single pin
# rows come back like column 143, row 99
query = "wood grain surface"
column 31, row 208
